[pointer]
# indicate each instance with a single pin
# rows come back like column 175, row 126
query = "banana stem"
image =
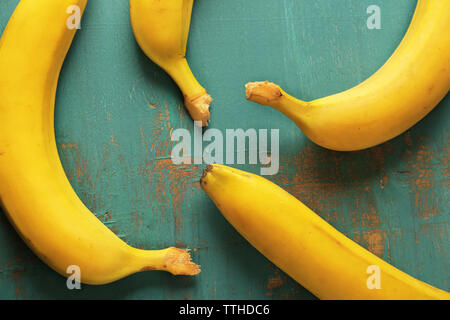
column 173, row 260
column 269, row 94
column 196, row 99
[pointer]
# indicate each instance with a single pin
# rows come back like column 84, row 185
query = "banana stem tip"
column 205, row 172
column 263, row 93
column 199, row 108
column 178, row 262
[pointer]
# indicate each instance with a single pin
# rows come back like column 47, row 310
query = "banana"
column 411, row 83
column 161, row 29
column 34, row 190
column 306, row 247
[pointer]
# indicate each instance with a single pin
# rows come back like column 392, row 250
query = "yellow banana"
column 411, row 83
column 34, row 190
column 306, row 247
column 161, row 29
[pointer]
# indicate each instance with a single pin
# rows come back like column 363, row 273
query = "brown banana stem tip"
column 199, row 108
column 207, row 170
column 178, row 262
column 263, row 92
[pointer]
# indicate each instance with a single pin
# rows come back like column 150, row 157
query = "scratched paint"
column 116, row 110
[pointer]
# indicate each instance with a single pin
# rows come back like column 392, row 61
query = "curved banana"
column 411, row 83
column 305, row 246
column 161, row 29
column 34, row 190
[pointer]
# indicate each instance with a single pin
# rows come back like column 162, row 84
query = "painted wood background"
column 115, row 110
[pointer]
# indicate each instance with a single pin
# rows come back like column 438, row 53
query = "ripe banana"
column 34, row 190
column 411, row 83
column 161, row 29
column 306, row 247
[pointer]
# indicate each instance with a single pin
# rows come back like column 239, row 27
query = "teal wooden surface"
column 115, row 110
